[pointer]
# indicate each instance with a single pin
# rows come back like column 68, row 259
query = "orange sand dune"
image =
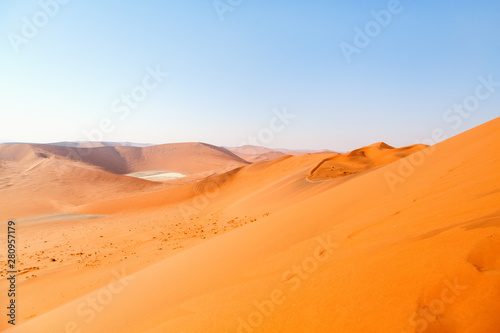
column 256, row 153
column 230, row 187
column 361, row 159
column 62, row 193
column 186, row 158
column 51, row 185
column 409, row 246
column 269, row 156
column 56, row 179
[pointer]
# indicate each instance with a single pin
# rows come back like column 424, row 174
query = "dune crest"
column 361, row 159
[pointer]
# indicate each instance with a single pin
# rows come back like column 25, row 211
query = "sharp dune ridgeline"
column 361, row 159
column 256, row 240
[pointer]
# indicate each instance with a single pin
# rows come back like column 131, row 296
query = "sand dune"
column 186, row 158
column 399, row 240
column 361, row 159
column 258, row 153
column 36, row 185
column 57, row 178
column 272, row 155
column 236, row 188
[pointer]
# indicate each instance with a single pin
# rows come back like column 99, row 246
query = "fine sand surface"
column 381, row 239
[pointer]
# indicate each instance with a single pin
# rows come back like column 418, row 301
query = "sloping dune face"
column 381, row 251
column 56, row 179
column 256, row 153
column 361, row 159
column 186, row 158
column 35, row 181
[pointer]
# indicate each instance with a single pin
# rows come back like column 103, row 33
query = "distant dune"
column 258, row 153
column 188, row 158
column 377, row 240
column 56, row 178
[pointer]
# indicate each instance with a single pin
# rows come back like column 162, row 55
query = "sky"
column 292, row 74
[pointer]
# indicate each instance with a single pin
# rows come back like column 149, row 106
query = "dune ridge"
column 361, row 159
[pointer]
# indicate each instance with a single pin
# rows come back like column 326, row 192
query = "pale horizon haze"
column 230, row 72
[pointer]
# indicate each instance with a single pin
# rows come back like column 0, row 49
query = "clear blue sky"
column 227, row 76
